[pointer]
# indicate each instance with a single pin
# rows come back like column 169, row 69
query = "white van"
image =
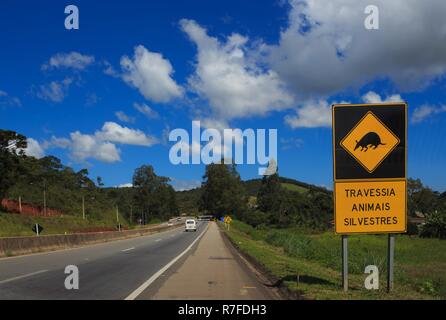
column 191, row 224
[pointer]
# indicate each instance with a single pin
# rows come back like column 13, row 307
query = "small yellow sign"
column 365, row 207
column 370, row 142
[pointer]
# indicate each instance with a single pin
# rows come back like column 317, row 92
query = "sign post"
column 390, row 255
column 369, row 173
column 345, row 262
column 37, row 228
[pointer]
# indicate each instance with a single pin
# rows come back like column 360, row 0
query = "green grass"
column 315, row 259
column 12, row 225
column 293, row 187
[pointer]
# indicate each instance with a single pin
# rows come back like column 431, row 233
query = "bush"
column 412, row 229
column 435, row 226
column 255, row 218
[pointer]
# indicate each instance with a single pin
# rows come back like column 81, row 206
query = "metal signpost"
column 345, row 262
column 37, row 228
column 369, row 171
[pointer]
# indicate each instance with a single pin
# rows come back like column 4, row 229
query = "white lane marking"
column 158, row 240
column 128, row 249
column 23, row 276
column 146, row 284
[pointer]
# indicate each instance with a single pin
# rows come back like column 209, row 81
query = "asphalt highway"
column 113, row 270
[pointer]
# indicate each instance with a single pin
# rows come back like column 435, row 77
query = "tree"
column 100, row 182
column 421, row 198
column 268, row 197
column 12, row 146
column 222, row 191
column 152, row 193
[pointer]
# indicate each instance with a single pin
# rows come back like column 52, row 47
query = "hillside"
column 252, row 186
column 188, row 200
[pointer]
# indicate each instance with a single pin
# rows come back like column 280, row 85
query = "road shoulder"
column 213, row 270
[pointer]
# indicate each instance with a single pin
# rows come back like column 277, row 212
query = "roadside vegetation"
column 150, row 200
column 287, row 226
column 310, row 263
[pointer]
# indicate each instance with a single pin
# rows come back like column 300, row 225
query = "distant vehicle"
column 170, row 223
column 191, row 224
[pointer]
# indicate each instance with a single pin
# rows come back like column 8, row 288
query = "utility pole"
column 83, row 207
column 20, row 204
column 117, row 218
column 44, row 197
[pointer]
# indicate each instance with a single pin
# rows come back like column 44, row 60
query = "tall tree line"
column 25, row 177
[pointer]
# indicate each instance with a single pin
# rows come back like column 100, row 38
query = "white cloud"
column 183, row 185
column 109, row 70
column 151, row 74
column 125, row 185
column 59, row 142
column 426, row 111
column 146, row 110
column 373, row 97
column 7, row 100
column 317, row 113
column 124, row 117
column 102, row 144
column 311, row 114
column 85, row 146
column 54, row 91
column 34, row 149
column 113, row 132
column 73, row 60
column 291, row 143
column 228, row 77
column 326, row 49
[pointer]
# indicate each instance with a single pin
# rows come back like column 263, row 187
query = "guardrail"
column 24, row 245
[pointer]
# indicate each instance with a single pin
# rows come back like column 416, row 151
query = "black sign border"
column 368, row 105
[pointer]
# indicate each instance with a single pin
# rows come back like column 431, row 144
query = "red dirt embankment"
column 27, row 209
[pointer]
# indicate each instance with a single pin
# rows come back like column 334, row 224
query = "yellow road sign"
column 370, row 207
column 369, row 168
column 370, row 142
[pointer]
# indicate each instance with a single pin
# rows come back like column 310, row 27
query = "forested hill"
column 188, row 201
column 252, row 186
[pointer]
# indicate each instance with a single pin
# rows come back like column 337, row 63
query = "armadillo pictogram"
column 371, row 139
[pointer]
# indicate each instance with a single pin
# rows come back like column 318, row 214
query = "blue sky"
column 104, row 96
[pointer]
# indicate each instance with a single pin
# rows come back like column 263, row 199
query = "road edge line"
column 23, row 276
column 145, row 285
